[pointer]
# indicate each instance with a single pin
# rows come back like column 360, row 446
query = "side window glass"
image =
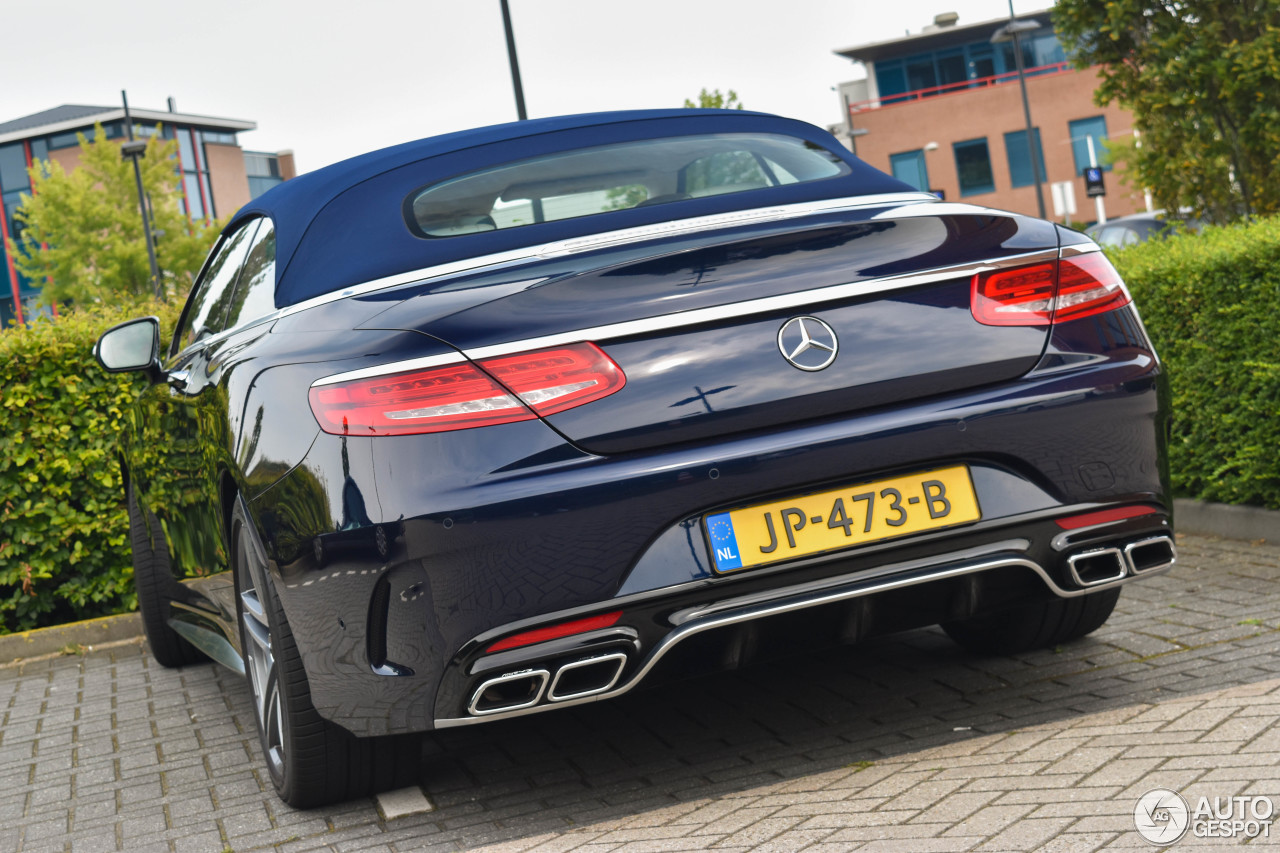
column 206, row 310
column 723, row 172
column 1111, row 236
column 255, row 293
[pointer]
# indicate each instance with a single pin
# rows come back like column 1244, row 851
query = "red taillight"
column 1087, row 285
column 1045, row 293
column 461, row 396
column 1016, row 297
column 1105, row 516
column 552, row 380
column 554, row 632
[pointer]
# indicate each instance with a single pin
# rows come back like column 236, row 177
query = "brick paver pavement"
column 904, row 743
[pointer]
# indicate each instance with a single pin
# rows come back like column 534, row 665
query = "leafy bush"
column 64, row 552
column 1210, row 304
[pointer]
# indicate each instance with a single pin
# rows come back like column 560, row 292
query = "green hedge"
column 64, row 552
column 1211, row 303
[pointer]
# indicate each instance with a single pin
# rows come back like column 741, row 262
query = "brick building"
column 217, row 175
column 942, row 110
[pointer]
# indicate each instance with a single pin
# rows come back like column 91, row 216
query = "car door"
column 179, row 428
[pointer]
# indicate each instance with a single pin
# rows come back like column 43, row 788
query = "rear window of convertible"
column 615, row 177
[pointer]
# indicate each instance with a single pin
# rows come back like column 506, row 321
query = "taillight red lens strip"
column 554, row 632
column 1087, row 285
column 499, row 390
column 1045, row 293
column 1089, row 519
column 1022, row 296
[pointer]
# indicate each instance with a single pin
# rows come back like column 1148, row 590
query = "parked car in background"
column 1140, row 227
column 525, row 417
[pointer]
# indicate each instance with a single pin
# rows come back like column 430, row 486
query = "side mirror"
column 130, row 346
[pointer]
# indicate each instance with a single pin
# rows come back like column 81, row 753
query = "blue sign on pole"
column 1093, row 183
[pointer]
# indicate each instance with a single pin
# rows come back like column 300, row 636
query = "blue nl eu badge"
column 724, row 545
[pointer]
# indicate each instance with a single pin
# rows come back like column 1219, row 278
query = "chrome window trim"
column 911, row 205
column 1076, row 249
column 561, row 248
column 394, row 367
column 807, row 299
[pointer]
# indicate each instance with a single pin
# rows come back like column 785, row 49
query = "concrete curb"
column 1250, row 523
column 1195, row 517
column 91, row 632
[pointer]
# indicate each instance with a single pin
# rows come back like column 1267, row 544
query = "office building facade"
column 214, row 174
column 942, row 110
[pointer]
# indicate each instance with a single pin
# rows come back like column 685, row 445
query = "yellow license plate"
column 841, row 518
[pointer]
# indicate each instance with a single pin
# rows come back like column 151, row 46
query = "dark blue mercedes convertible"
column 529, row 416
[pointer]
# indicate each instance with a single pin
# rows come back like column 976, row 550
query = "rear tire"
column 155, row 584
column 1035, row 626
column 311, row 761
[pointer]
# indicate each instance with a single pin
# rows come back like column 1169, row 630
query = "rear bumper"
column 841, row 608
column 510, row 528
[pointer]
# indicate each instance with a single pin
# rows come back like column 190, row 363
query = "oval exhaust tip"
column 1151, row 555
column 510, row 692
column 1094, row 568
column 587, row 677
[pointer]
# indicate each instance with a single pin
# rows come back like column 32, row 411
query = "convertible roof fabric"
column 344, row 224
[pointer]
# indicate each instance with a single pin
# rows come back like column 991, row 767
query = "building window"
column 195, row 174
column 263, row 171
column 1015, row 148
column 956, row 68
column 909, row 167
column 1081, row 131
column 973, row 167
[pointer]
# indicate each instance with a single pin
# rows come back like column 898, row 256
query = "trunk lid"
column 700, row 327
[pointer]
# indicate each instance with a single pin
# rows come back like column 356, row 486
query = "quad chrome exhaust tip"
column 586, row 677
column 1106, row 565
column 516, row 691
column 1151, row 555
column 513, row 691
column 1096, row 567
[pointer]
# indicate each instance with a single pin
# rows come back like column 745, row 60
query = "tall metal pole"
column 142, row 202
column 515, row 64
column 1026, row 112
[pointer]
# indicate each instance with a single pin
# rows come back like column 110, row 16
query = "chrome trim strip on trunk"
column 1078, row 249
column 788, row 600
column 394, row 367
column 561, row 248
column 807, row 299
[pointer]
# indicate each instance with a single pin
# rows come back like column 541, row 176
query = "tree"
column 82, row 232
column 1202, row 78
column 715, row 101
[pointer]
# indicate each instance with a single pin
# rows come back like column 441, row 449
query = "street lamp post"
column 132, row 150
column 1012, row 32
column 515, row 65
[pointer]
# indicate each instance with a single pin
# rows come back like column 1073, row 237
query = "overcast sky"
column 330, row 80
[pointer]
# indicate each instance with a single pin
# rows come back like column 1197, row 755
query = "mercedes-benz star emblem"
column 807, row 343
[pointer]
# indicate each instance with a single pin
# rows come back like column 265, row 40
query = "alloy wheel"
column 260, row 661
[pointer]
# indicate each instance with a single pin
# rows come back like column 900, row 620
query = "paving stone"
column 840, row 750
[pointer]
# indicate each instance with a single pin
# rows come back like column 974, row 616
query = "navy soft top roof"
column 343, row 224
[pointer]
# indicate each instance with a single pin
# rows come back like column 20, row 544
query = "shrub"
column 1210, row 302
column 64, row 552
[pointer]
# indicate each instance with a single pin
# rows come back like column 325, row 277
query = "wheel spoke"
column 253, row 605
column 259, row 656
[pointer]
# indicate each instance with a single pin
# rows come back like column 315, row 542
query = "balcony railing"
column 953, row 88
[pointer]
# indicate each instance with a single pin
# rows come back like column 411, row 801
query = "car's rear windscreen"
column 623, row 175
